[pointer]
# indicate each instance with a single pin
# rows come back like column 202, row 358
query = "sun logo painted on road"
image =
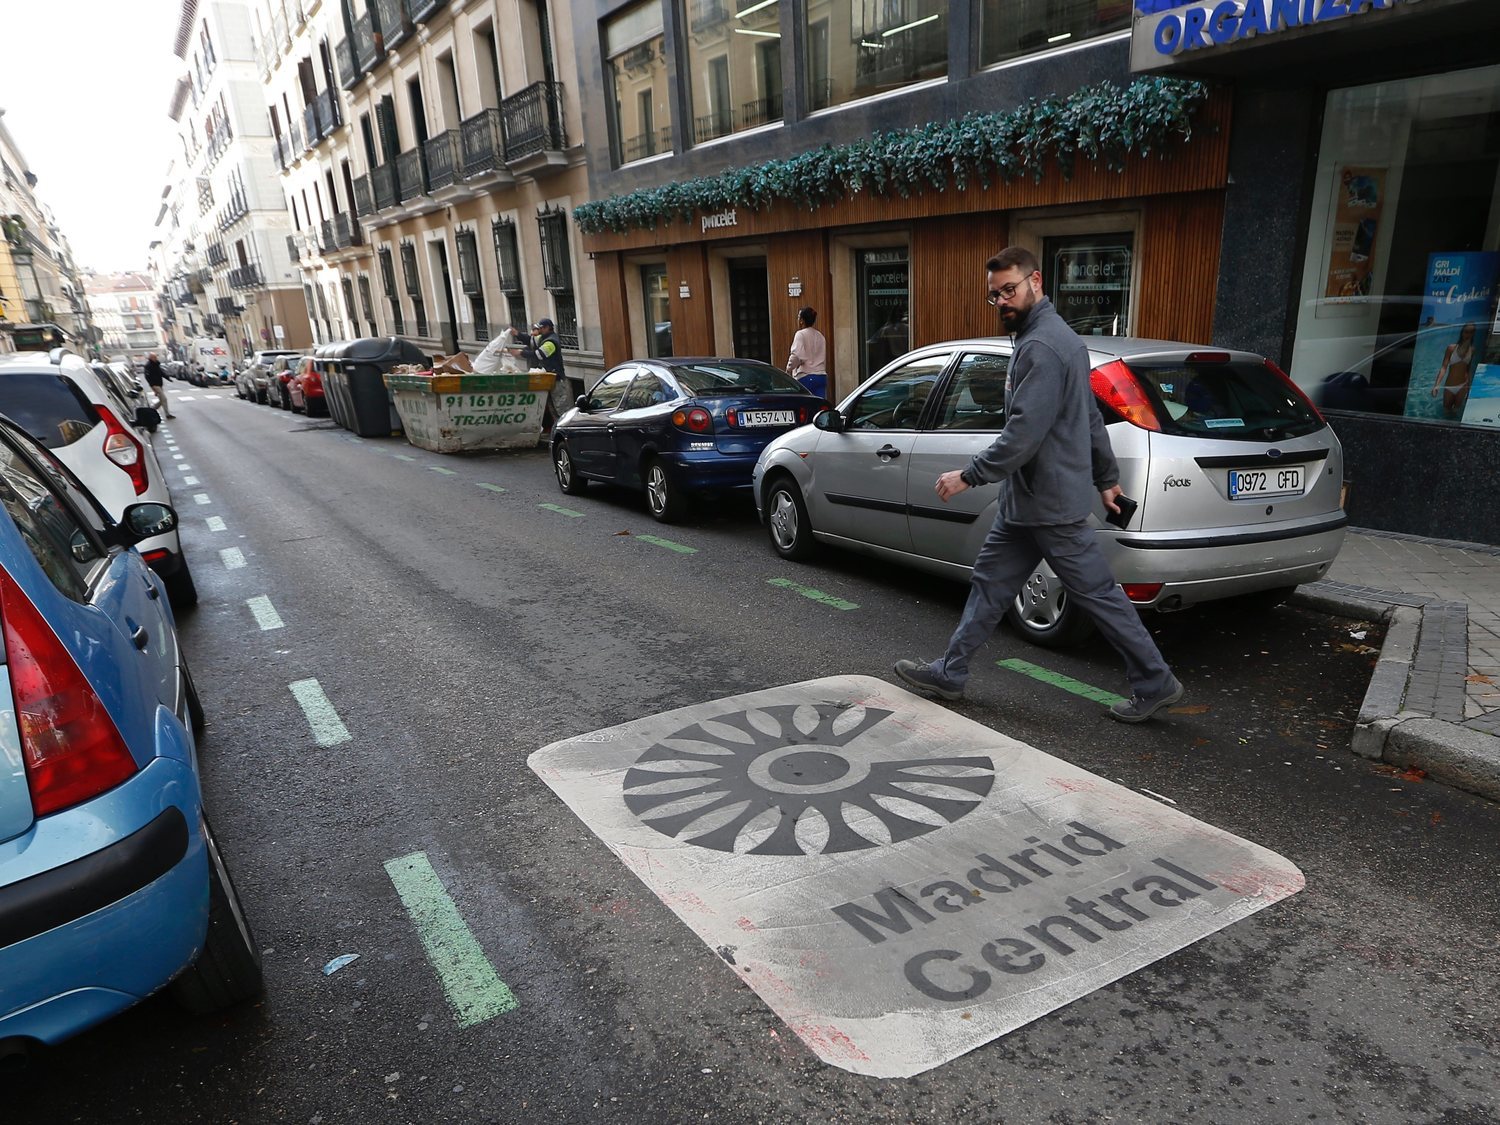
column 792, row 780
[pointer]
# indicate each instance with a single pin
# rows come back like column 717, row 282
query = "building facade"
column 39, row 280
column 431, row 158
column 221, row 248
column 866, row 158
column 124, row 310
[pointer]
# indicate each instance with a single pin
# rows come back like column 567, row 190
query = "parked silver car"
column 1237, row 476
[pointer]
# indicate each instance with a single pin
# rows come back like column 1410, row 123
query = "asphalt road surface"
column 453, row 614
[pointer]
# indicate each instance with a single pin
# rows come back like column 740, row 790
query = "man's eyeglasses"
column 1005, row 292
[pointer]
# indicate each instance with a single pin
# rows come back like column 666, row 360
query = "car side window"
column 649, row 389
column 975, row 399
column 69, row 554
column 609, row 390
column 895, row 401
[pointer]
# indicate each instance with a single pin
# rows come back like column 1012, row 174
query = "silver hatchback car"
column 1238, row 478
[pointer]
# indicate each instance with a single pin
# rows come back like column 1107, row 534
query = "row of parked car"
column 1238, row 477
column 112, row 885
column 289, row 380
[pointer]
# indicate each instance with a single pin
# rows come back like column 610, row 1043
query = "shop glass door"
column 658, row 306
column 750, row 308
column 884, row 307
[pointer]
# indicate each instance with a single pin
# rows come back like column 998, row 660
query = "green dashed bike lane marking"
column 558, row 508
column 1058, row 680
column 815, row 595
column 473, row 987
column 489, row 487
column 440, row 469
column 403, row 457
column 680, row 548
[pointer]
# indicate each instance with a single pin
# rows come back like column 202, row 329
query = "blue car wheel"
column 228, row 968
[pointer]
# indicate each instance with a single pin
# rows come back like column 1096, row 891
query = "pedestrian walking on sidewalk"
column 156, row 379
column 1053, row 457
column 808, row 361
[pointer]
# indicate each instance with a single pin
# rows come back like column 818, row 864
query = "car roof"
column 1116, row 347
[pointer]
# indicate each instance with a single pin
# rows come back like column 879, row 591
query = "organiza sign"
column 1167, row 30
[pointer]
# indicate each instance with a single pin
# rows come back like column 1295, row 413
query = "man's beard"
column 1016, row 320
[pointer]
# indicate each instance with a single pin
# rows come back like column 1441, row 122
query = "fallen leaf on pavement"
column 1478, row 678
column 1412, row 773
column 622, row 533
column 1189, row 709
column 1434, row 819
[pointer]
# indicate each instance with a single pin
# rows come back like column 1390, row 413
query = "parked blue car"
column 111, row 884
column 678, row 427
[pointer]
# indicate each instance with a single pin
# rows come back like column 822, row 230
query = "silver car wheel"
column 656, row 489
column 1042, row 601
column 783, row 520
column 564, row 465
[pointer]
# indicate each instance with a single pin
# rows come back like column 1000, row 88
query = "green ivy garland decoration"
column 1096, row 123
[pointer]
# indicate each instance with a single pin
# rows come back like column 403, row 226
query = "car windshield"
column 48, row 407
column 735, row 377
column 1237, row 399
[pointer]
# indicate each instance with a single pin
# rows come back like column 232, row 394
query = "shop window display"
column 1402, row 275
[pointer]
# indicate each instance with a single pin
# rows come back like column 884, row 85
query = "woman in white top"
column 1456, row 375
column 808, row 363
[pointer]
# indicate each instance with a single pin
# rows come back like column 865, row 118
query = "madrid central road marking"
column 1058, row 680
column 215, row 523
column 489, row 487
column 265, row 613
column 326, row 725
column 558, row 508
column 233, row 558
column 815, row 595
column 680, row 548
column 473, row 987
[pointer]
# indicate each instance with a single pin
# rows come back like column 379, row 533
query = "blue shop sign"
column 1166, row 30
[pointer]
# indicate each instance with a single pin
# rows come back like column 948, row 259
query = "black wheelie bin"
column 355, row 386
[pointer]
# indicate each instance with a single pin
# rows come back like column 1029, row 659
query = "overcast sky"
column 85, row 85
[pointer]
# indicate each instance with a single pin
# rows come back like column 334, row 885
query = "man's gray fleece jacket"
column 1053, row 450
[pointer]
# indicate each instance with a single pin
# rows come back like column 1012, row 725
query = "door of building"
column 658, row 310
column 750, row 308
column 884, row 307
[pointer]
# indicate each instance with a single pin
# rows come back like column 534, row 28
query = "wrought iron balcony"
column 329, row 117
column 411, row 173
column 225, row 306
column 346, row 231
column 443, row 159
column 245, row 277
column 325, row 240
column 712, row 125
column 216, row 255
column 364, row 202
column 294, row 140
column 648, row 144
column 383, row 180
column 293, row 248
column 532, row 121
column 366, row 47
column 760, row 111
column 349, row 69
column 421, row 9
column 483, row 149
column 310, row 125
column 390, row 21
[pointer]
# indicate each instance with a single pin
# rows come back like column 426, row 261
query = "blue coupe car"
column 111, row 885
column 678, row 427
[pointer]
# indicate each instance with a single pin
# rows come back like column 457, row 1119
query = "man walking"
column 155, row 379
column 1053, row 456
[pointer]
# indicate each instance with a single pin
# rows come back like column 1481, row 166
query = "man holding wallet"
column 1053, row 456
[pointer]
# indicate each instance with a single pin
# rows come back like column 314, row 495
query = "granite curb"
column 1413, row 710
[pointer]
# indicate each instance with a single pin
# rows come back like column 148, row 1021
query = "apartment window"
column 508, row 262
column 348, row 287
column 888, row 44
column 366, row 303
column 471, row 282
column 1011, row 28
column 557, row 272
column 636, row 70
column 388, row 283
column 734, row 60
column 414, row 285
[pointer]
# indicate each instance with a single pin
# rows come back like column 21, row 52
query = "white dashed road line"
column 326, row 725
column 233, row 558
column 200, row 498
column 265, row 613
column 215, row 523
column 189, row 480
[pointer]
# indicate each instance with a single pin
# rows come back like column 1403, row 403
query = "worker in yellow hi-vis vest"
column 548, row 348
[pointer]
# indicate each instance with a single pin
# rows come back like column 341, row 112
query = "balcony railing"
column 483, row 149
column 533, row 120
column 760, row 111
column 346, row 231
column 648, row 144
column 216, row 255
column 709, row 13
column 712, row 125
column 366, row 48
column 364, row 201
column 349, row 69
column 225, row 306
column 328, row 113
column 411, row 173
column 294, row 140
column 391, row 22
column 421, row 9
column 293, row 248
column 325, row 241
column 383, row 180
column 245, row 277
column 443, row 159
column 310, row 125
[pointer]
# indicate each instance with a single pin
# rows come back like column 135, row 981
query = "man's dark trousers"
column 1009, row 556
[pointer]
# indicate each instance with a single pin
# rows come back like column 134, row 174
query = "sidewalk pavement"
column 1434, row 698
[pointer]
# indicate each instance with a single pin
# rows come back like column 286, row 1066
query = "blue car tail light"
column 71, row 748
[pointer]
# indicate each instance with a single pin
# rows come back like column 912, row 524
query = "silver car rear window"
column 1224, row 400
column 49, row 407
